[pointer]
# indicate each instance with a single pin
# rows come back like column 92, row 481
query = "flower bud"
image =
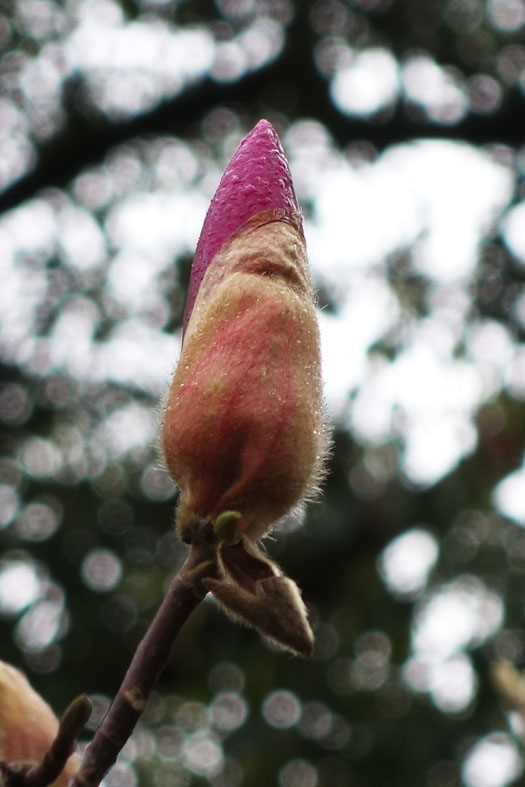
column 243, row 425
column 28, row 726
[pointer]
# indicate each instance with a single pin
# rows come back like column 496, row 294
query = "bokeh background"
column 403, row 123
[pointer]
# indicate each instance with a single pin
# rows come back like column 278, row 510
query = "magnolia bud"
column 243, row 425
column 28, row 726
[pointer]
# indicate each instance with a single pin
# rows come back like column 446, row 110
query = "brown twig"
column 184, row 594
column 74, row 718
column 21, row 774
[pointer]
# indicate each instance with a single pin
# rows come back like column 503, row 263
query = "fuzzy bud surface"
column 243, row 424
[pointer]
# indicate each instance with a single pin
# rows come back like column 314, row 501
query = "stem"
column 184, row 594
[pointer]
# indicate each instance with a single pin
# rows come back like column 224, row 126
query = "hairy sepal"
column 254, row 591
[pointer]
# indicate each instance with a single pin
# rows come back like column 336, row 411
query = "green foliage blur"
column 117, row 118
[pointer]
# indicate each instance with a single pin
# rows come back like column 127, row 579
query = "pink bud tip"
column 257, row 179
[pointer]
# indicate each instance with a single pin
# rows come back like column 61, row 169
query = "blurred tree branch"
column 88, row 136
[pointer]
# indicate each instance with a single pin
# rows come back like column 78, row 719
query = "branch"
column 184, row 594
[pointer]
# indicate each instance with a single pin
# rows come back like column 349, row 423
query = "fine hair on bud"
column 244, row 426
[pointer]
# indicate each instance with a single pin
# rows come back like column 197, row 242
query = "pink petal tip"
column 256, row 179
